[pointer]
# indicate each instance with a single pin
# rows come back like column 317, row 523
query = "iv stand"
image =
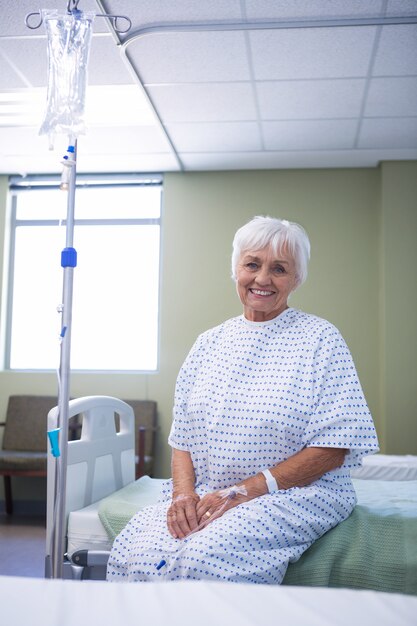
column 59, row 436
column 68, row 263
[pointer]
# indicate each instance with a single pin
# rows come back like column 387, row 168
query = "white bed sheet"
column 40, row 602
column 388, row 497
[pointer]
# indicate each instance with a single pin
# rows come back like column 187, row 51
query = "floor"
column 22, row 545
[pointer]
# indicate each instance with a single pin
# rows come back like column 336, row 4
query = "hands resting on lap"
column 189, row 513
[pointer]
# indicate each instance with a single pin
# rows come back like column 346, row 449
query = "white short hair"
column 262, row 231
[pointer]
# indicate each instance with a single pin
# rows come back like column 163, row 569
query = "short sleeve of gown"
column 179, row 435
column 341, row 417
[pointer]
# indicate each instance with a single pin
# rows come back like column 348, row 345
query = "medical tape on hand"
column 226, row 494
column 234, row 491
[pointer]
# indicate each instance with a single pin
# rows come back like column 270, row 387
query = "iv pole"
column 68, row 263
column 59, row 436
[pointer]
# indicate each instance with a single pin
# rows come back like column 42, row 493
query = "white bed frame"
column 99, row 463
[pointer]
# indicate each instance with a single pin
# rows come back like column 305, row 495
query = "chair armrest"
column 140, row 465
column 74, row 430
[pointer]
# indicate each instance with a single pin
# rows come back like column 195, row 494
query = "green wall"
column 362, row 226
column 398, row 300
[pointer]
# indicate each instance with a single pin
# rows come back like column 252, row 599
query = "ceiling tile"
column 150, row 12
column 310, row 99
column 389, row 133
column 190, row 57
column 106, row 66
column 402, row 7
column 233, row 136
column 312, row 53
column 309, row 135
column 10, row 76
column 29, row 59
column 397, row 51
column 199, row 103
column 392, row 96
column 282, row 9
column 128, row 140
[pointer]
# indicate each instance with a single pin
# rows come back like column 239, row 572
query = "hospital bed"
column 375, row 548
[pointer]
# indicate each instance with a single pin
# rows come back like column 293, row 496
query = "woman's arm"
column 306, row 466
column 299, row 470
column 182, row 515
column 182, row 471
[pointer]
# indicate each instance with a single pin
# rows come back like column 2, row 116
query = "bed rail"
column 99, row 463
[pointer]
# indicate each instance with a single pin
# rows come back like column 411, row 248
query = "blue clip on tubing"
column 54, row 441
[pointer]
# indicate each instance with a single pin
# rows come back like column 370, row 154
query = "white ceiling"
column 221, row 84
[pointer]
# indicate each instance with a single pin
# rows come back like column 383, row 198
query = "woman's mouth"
column 261, row 292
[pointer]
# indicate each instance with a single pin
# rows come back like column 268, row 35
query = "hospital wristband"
column 271, row 483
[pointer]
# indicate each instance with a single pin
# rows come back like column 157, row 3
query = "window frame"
column 44, row 182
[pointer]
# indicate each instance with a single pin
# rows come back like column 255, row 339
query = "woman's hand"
column 213, row 505
column 182, row 516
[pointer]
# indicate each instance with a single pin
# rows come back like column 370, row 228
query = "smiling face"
column 264, row 280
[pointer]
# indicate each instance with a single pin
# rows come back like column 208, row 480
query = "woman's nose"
column 263, row 276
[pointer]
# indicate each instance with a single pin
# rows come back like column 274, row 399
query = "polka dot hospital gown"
column 248, row 396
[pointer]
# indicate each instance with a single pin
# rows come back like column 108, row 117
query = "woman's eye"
column 251, row 266
column 279, row 269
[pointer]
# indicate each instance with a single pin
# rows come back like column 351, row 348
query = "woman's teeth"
column 258, row 292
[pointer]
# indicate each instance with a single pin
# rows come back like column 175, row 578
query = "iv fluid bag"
column 69, row 39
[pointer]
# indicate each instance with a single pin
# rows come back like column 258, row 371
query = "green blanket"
column 369, row 550
column 366, row 551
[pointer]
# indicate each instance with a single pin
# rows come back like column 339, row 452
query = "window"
column 116, row 281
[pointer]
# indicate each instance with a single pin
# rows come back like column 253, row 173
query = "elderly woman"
column 269, row 418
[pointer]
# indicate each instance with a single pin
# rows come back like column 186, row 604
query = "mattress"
column 388, row 467
column 85, row 528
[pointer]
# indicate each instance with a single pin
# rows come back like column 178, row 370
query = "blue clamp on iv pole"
column 53, row 436
column 69, row 257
